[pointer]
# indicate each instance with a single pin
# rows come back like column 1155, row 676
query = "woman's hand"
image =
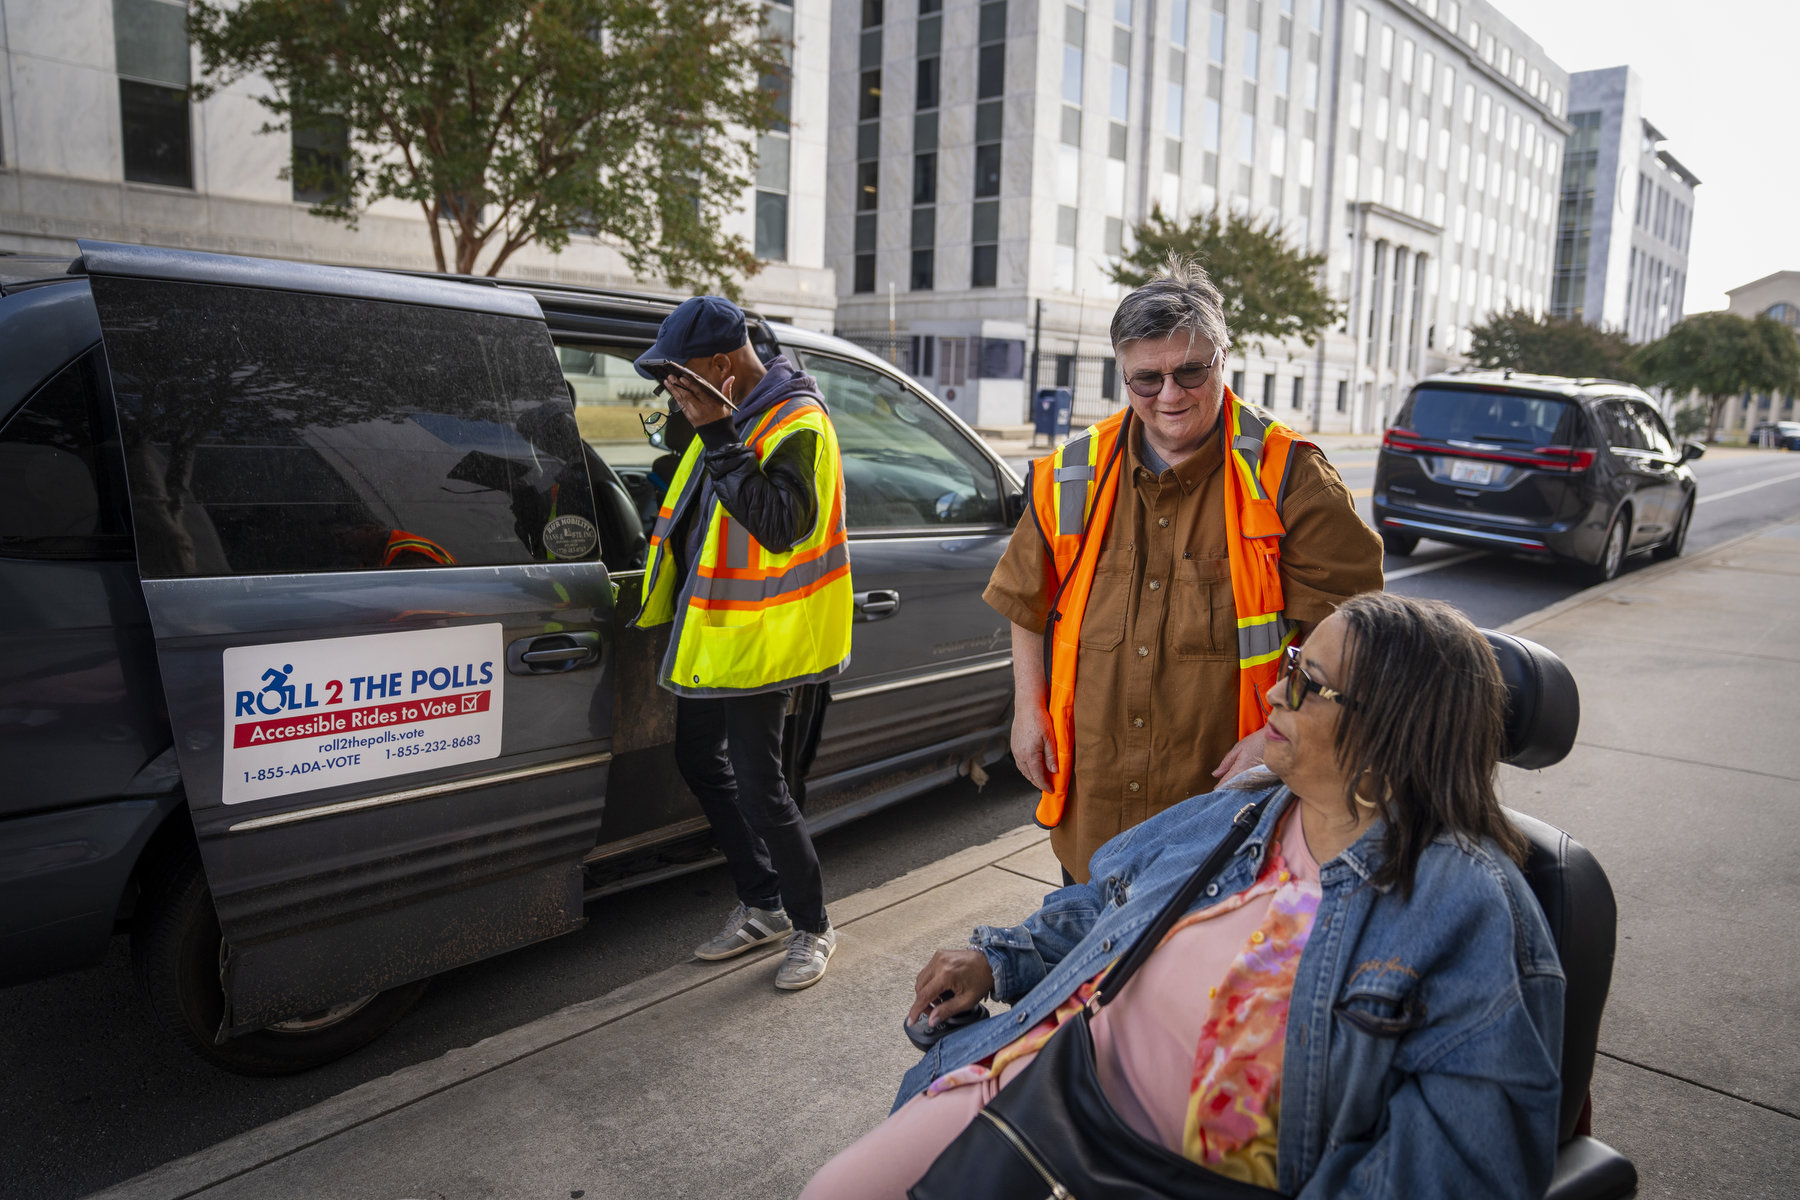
column 953, row 981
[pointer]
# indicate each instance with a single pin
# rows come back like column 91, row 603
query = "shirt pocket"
column 1202, row 617
column 1103, row 621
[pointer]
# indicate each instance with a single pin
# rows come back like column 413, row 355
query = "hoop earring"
column 1361, row 803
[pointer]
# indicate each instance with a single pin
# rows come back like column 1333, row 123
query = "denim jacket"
column 1424, row 1036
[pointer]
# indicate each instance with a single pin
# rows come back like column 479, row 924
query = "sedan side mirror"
column 1691, row 450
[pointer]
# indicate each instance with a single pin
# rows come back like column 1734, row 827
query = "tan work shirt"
column 1156, row 677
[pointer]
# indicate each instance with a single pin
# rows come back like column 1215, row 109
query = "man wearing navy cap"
column 750, row 565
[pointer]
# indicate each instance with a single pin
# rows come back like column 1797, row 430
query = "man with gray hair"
column 1170, row 556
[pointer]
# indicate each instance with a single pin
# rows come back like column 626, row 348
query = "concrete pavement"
column 705, row 1081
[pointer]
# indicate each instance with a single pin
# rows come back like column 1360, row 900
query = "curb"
column 285, row 1136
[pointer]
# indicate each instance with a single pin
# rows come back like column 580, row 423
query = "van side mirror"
column 1015, row 507
column 1691, row 450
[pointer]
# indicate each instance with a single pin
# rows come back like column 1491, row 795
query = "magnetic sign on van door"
column 306, row 715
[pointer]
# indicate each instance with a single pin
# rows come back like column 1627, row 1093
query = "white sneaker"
column 745, row 929
column 808, row 954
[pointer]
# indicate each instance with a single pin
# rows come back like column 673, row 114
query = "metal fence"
column 946, row 362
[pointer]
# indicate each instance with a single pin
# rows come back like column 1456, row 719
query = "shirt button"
column 1283, row 877
column 1212, row 993
column 1212, row 889
column 1155, row 585
column 1133, row 785
column 1106, row 945
column 1258, row 938
column 1137, row 722
column 1143, row 651
column 1021, row 1019
column 1163, row 521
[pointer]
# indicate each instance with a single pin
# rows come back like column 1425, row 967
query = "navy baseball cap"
column 701, row 326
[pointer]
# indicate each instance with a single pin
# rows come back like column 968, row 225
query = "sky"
column 1719, row 81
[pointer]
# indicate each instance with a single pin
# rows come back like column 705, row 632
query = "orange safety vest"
column 1072, row 492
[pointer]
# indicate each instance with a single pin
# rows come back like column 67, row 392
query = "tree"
column 1721, row 355
column 516, row 121
column 1550, row 346
column 1272, row 291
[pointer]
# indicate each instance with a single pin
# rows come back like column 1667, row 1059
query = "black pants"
column 729, row 752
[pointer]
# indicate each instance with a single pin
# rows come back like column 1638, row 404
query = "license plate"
column 1472, row 472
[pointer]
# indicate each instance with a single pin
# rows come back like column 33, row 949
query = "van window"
column 1456, row 414
column 905, row 465
column 60, row 495
column 1621, row 426
column 272, row 432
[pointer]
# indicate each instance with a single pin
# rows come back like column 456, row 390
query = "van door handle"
column 551, row 653
column 877, row 605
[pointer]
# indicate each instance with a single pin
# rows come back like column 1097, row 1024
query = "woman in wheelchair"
column 1366, row 999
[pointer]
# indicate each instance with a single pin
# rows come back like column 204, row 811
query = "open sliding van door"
column 366, row 538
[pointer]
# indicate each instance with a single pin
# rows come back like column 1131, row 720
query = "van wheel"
column 1401, row 544
column 175, row 952
column 1677, row 541
column 1612, row 550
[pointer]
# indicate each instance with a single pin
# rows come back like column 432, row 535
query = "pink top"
column 1144, row 1041
column 1190, row 1054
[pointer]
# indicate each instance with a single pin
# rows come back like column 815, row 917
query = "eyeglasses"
column 1187, row 376
column 1299, row 683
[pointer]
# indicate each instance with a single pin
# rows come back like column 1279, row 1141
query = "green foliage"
column 1272, row 291
column 514, row 121
column 1550, row 346
column 1690, row 420
column 1721, row 355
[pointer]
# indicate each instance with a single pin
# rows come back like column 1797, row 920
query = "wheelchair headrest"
column 1543, row 706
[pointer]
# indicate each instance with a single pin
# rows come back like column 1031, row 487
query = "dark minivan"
column 1579, row 469
column 316, row 667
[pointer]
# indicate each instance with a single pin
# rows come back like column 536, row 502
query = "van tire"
column 1614, row 549
column 175, row 944
column 1676, row 542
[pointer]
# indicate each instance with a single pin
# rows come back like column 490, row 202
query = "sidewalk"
column 704, row 1081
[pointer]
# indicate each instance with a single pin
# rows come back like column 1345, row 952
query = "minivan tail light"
column 1402, row 439
column 1572, row 459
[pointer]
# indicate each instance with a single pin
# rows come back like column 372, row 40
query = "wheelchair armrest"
column 1587, row 1169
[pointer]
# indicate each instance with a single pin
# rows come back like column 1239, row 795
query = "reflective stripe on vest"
column 746, row 618
column 1072, row 499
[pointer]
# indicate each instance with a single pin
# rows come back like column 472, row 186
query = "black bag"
column 1051, row 1132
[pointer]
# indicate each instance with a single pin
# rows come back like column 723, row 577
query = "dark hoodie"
column 775, row 500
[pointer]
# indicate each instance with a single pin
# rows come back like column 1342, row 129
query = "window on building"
column 1299, row 398
column 321, row 161
column 151, row 44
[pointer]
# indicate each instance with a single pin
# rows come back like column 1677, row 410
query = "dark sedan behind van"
column 1580, row 469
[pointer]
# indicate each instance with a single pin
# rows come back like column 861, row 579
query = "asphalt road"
column 95, row 1092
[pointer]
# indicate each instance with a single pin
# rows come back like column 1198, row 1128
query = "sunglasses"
column 1299, row 683
column 1187, row 376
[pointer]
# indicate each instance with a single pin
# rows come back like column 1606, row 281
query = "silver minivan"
column 315, row 674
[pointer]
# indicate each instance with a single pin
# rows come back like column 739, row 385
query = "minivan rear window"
column 1509, row 418
column 272, row 432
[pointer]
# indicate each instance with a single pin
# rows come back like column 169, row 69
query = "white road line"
column 1748, row 487
column 1440, row 564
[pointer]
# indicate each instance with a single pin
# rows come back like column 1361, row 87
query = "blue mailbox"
column 1050, row 414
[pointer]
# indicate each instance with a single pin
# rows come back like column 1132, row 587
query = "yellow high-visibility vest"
column 749, row 619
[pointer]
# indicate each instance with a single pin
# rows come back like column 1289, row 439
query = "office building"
column 99, row 138
column 1630, row 276
column 988, row 160
column 1776, row 296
